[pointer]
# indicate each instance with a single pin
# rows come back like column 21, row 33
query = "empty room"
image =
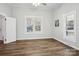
column 39, row 29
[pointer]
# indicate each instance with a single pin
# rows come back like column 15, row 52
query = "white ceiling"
column 49, row 6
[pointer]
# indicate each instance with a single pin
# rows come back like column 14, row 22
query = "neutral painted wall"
column 58, row 32
column 20, row 13
column 5, row 9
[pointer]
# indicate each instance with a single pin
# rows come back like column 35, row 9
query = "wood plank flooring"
column 39, row 47
column 1, row 42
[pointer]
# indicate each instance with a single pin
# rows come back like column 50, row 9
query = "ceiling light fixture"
column 36, row 4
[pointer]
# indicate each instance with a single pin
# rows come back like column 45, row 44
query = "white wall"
column 58, row 32
column 19, row 13
column 4, row 9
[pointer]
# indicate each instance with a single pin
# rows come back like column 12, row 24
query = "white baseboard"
column 67, row 44
column 33, row 38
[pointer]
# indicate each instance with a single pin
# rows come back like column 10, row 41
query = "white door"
column 10, row 30
column 70, row 26
column 2, row 27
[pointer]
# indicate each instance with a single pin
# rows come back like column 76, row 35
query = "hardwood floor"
column 40, row 47
column 1, row 42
